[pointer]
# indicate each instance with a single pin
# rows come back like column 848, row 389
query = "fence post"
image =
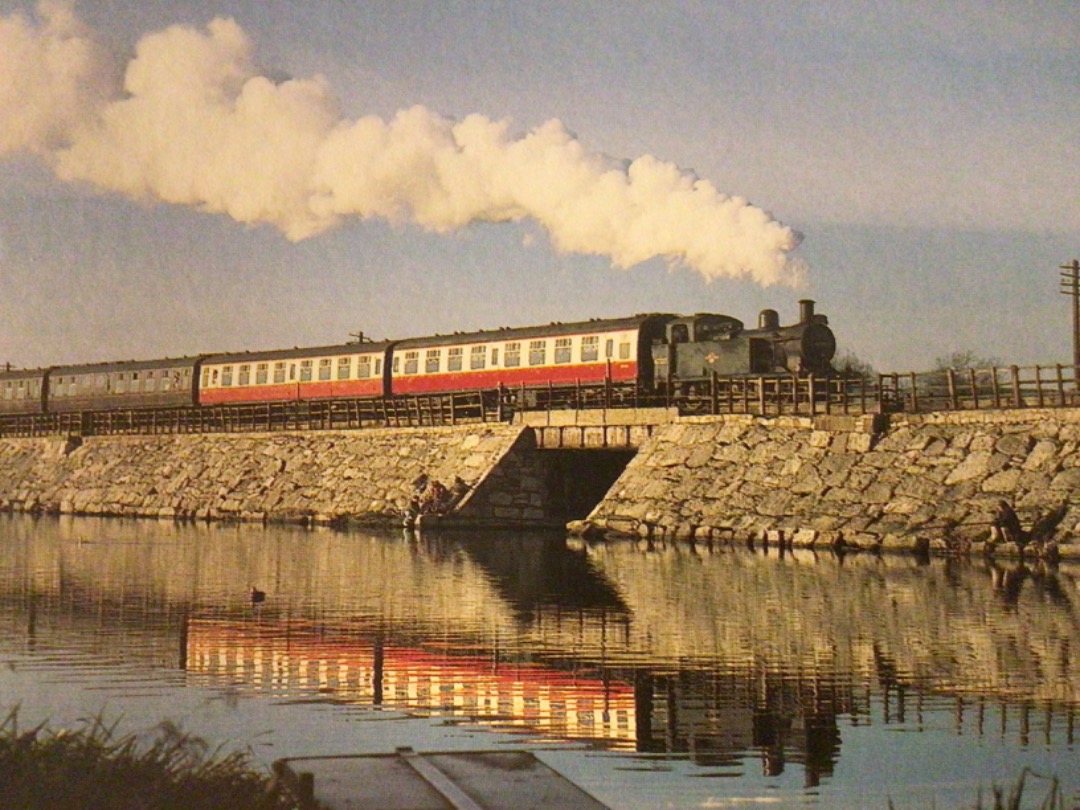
column 1038, row 385
column 950, row 378
column 994, row 383
column 974, row 388
column 1018, row 402
column 714, row 399
column 1060, row 387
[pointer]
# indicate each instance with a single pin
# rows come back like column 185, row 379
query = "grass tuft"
column 91, row 767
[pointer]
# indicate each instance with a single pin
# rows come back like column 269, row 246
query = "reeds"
column 93, row 768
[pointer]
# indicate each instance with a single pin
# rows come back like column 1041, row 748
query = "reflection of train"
column 657, row 352
column 303, row 659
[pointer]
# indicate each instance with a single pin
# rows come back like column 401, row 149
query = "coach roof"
column 297, row 353
column 597, row 326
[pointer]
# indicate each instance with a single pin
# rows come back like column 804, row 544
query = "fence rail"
column 950, row 390
column 345, row 414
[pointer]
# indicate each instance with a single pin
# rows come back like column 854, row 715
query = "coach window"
column 324, row 369
column 454, row 358
column 397, row 364
column 262, row 371
column 151, row 381
column 537, row 352
column 121, row 384
column 494, row 357
column 279, row 372
column 624, row 351
column 344, row 368
column 512, row 355
column 245, row 374
column 226, row 376
column 292, row 372
column 477, row 357
column 432, row 361
column 590, row 348
column 412, row 362
column 305, row 371
column 609, row 348
column 363, row 368
column 563, row 347
column 8, row 391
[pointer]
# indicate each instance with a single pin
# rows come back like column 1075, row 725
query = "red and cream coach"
column 557, row 354
column 325, row 372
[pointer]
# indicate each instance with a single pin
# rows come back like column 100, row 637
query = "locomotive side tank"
column 166, row 383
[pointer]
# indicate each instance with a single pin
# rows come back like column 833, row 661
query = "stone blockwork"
column 361, row 476
column 918, row 483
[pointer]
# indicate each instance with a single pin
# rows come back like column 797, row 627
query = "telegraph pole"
column 1070, row 285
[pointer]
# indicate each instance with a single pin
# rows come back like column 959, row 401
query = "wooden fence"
column 950, row 390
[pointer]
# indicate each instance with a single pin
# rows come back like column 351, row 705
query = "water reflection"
column 730, row 657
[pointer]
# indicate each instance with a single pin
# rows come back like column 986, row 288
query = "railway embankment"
column 364, row 476
column 919, row 482
column 928, row 483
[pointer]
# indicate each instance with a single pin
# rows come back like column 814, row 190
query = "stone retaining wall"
column 922, row 482
column 363, row 476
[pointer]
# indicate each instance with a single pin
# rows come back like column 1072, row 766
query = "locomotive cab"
column 697, row 346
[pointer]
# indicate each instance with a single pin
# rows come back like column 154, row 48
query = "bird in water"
column 257, row 595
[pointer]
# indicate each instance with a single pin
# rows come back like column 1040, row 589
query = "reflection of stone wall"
column 324, row 476
column 978, row 628
column 925, row 481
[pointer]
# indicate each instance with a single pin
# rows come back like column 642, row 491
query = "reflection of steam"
column 195, row 124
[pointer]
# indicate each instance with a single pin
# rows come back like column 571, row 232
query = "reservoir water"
column 653, row 676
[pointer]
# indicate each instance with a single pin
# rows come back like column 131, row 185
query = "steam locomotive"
column 658, row 352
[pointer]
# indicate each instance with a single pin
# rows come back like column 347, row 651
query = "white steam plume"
column 195, row 124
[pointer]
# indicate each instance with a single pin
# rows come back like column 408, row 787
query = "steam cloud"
column 190, row 121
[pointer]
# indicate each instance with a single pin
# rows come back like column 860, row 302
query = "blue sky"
column 928, row 153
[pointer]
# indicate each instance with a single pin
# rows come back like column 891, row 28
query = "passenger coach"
column 347, row 370
column 22, row 391
column 166, row 383
column 561, row 353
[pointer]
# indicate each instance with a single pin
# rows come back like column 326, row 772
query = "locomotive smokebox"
column 768, row 319
column 806, row 310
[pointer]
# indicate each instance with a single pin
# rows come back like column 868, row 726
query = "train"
column 657, row 352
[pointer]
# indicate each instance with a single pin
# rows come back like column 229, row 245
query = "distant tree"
column 965, row 359
column 976, row 373
column 851, row 365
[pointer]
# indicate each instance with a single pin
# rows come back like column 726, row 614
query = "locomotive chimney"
column 768, row 319
column 806, row 310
